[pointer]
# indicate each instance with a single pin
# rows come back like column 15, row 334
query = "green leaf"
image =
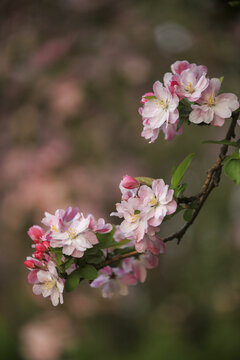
column 88, row 272
column 232, row 170
column 150, row 97
column 223, row 142
column 94, row 258
column 72, row 281
column 143, row 180
column 122, row 242
column 67, row 263
column 58, row 255
column 180, row 190
column 187, row 215
column 179, row 172
column 221, row 79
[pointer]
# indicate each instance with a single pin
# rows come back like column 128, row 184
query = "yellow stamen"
column 161, row 103
column 190, row 88
column 72, row 233
column 211, row 100
column 49, row 284
column 153, row 201
column 54, row 228
column 135, row 218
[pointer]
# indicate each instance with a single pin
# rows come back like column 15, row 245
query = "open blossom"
column 76, row 238
column 151, row 242
column 161, row 109
column 214, row 108
column 61, row 218
column 160, row 200
column 99, row 225
column 135, row 223
column 139, row 265
column 48, row 283
column 114, row 281
column 187, row 81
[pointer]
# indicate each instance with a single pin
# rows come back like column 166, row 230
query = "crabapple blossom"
column 161, row 109
column 61, row 218
column 99, row 225
column 213, row 108
column 135, row 222
column 114, row 281
column 49, row 284
column 160, row 200
column 187, row 81
column 75, row 239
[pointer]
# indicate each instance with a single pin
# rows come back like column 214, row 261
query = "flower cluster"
column 186, row 89
column 143, row 209
column 71, row 233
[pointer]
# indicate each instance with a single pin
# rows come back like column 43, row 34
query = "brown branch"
column 212, row 181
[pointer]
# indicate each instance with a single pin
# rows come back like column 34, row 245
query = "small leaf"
column 222, row 142
column 58, row 255
column 94, row 258
column 187, row 215
column 221, row 79
column 72, row 281
column 232, row 170
column 179, row 172
column 88, row 272
column 180, row 190
column 122, row 243
column 67, row 263
column 145, row 180
column 150, row 97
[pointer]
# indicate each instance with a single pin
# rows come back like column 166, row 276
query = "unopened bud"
column 129, row 182
column 38, row 255
column 29, row 264
column 40, row 247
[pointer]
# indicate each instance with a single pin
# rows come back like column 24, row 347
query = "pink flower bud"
column 29, row 264
column 36, row 232
column 38, row 255
column 128, row 182
column 40, row 247
column 46, row 244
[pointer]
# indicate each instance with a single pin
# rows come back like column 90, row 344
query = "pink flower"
column 134, row 224
column 99, row 225
column 113, row 281
column 159, row 199
column 75, row 238
column 61, row 218
column 139, row 265
column 151, row 242
column 162, row 109
column 129, row 182
column 49, row 284
column 214, row 108
column 187, row 81
column 36, row 233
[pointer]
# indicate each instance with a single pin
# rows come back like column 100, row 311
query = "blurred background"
column 72, row 73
